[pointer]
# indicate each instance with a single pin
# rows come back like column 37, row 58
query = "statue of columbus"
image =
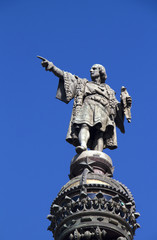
column 96, row 111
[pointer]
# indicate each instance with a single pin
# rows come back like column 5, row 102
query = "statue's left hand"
column 129, row 101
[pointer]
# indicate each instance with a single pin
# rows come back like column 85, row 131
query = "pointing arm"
column 49, row 66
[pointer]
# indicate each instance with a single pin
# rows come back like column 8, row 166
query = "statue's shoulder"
column 81, row 80
column 109, row 88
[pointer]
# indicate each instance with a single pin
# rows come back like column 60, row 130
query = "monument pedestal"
column 92, row 205
column 95, row 161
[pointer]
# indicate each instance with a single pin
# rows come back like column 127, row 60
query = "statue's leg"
column 98, row 143
column 83, row 138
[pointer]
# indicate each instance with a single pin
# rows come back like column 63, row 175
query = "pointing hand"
column 46, row 64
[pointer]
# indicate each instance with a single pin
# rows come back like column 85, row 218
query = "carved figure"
column 96, row 111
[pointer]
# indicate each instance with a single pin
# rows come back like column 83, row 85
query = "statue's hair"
column 102, row 72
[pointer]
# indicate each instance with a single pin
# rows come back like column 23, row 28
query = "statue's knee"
column 85, row 126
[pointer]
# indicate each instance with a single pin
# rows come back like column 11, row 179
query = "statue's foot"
column 80, row 149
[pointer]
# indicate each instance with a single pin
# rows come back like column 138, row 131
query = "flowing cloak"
column 95, row 105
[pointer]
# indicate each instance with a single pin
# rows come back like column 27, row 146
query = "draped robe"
column 94, row 105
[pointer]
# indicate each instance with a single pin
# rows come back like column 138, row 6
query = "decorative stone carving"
column 100, row 208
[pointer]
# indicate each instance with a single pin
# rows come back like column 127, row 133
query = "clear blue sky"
column 35, row 159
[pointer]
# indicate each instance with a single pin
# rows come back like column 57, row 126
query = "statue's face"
column 94, row 72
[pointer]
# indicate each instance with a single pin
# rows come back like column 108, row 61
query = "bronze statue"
column 96, row 111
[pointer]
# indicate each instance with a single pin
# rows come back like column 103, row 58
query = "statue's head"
column 97, row 70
